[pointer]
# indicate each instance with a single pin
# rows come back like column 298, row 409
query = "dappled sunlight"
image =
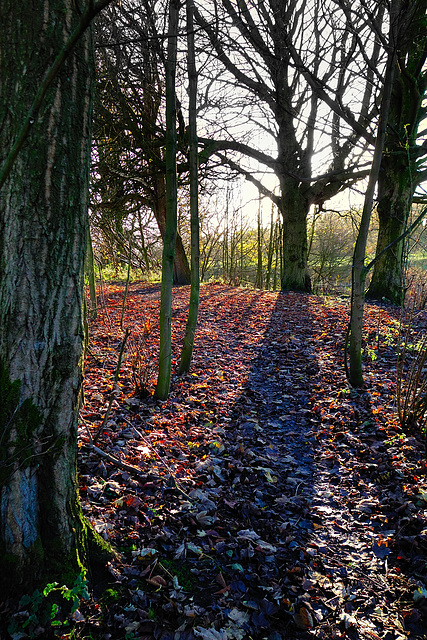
column 263, row 478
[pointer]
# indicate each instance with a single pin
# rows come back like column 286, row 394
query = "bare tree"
column 359, row 269
column 190, row 330
column 289, row 74
column 403, row 166
column 165, row 355
column 129, row 128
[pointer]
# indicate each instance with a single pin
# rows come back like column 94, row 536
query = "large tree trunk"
column 295, row 208
column 181, row 268
column 399, row 175
column 294, row 203
column 395, row 191
column 43, row 217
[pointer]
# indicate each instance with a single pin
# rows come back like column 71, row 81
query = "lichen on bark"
column 43, row 231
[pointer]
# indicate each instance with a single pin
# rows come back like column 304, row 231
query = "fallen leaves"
column 271, row 501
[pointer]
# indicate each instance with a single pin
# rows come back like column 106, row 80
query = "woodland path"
column 272, row 501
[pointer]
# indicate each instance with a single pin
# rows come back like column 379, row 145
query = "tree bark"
column 295, row 210
column 399, row 176
column 43, row 235
column 181, row 268
column 359, row 270
column 190, row 329
column 165, row 355
column 395, row 191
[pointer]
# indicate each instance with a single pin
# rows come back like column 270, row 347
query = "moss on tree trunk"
column 395, row 189
column 401, row 172
column 43, row 218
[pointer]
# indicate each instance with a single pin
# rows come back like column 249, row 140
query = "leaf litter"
column 264, row 499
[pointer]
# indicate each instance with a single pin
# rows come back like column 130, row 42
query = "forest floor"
column 265, row 499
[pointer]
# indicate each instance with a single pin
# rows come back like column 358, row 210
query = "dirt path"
column 302, row 516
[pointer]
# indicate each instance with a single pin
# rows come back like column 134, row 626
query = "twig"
column 92, row 355
column 113, row 459
column 298, row 486
column 117, row 462
column 127, row 467
column 112, row 396
column 88, row 432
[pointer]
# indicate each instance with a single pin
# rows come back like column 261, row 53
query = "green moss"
column 18, row 424
column 91, row 551
column 100, row 551
column 49, row 557
column 186, row 579
column 110, row 596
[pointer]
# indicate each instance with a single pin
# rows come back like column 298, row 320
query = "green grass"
column 418, row 260
column 110, row 274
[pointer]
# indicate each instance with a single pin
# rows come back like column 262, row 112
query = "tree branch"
column 212, row 147
column 251, row 178
column 406, row 233
column 92, row 10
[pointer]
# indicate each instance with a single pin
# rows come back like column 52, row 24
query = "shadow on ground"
column 271, row 501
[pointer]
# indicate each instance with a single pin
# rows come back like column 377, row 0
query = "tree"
column 259, row 269
column 163, row 380
column 128, row 129
column 290, row 68
column 90, row 274
column 190, row 330
column 359, row 269
column 43, row 217
column 402, row 167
